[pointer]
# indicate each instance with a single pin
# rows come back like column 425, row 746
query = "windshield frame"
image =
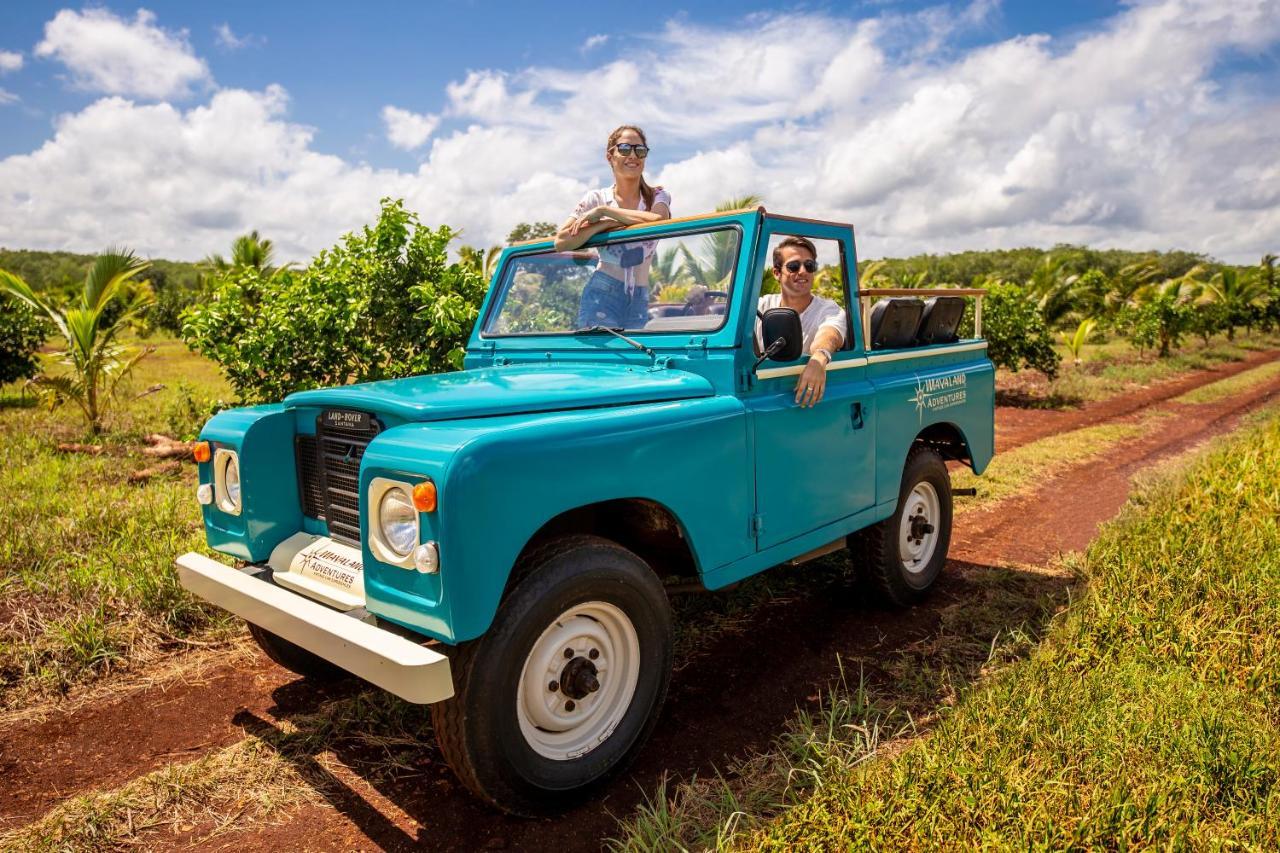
column 497, row 297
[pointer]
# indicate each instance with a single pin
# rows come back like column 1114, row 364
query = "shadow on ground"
column 731, row 698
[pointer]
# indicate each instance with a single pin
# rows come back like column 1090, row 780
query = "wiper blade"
column 617, row 333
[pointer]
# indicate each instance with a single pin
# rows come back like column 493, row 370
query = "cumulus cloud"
column 408, row 130
column 113, row 55
column 592, row 42
column 228, row 40
column 1129, row 135
column 10, row 61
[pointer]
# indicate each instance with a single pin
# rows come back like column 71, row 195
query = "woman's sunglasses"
column 626, row 149
column 810, row 266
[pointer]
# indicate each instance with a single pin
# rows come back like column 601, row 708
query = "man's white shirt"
column 821, row 313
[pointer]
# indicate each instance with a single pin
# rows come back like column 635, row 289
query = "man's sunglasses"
column 626, row 149
column 810, row 266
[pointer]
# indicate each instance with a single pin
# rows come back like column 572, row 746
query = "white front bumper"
column 414, row 673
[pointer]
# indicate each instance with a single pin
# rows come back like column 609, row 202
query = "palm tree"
column 1238, row 295
column 249, row 251
column 719, row 249
column 97, row 360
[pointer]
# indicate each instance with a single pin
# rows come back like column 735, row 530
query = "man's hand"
column 813, row 382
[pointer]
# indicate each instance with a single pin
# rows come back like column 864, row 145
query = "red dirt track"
column 732, row 699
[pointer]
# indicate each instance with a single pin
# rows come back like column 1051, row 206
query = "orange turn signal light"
column 424, row 497
column 202, row 452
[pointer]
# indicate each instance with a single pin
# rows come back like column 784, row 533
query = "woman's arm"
column 577, row 230
column 626, row 216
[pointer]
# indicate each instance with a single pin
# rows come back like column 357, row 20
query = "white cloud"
column 10, row 61
column 592, row 42
column 1127, row 135
column 108, row 54
column 228, row 40
column 7, row 97
column 408, row 130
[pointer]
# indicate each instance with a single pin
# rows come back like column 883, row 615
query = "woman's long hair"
column 646, row 191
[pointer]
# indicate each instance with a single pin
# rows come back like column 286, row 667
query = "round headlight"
column 231, row 480
column 399, row 521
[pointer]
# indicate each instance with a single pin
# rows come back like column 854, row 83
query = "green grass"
column 86, row 558
column 1232, row 385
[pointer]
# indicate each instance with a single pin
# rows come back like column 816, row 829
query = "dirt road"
column 731, row 699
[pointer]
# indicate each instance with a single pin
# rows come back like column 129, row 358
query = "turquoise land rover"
column 500, row 541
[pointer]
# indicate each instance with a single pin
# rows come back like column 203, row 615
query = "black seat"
column 894, row 322
column 940, row 320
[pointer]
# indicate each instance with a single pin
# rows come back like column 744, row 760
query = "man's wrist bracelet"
column 825, row 352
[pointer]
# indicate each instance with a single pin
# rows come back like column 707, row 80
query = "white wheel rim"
column 920, row 527
column 565, row 723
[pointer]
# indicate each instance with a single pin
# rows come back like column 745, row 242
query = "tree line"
column 392, row 299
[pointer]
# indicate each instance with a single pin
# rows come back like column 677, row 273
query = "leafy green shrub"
column 21, row 333
column 1159, row 322
column 1015, row 331
column 384, row 302
column 1207, row 320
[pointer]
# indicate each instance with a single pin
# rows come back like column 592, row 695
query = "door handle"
column 855, row 414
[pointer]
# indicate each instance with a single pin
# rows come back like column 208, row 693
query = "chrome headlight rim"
column 398, row 521
column 228, row 496
column 380, row 544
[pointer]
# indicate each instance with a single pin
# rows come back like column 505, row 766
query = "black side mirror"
column 783, row 338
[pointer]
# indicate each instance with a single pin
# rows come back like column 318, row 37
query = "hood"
column 508, row 390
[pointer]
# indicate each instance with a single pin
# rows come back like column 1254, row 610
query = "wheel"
column 903, row 555
column 566, row 685
column 295, row 658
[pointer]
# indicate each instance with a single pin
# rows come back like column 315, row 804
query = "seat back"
column 894, row 322
column 940, row 320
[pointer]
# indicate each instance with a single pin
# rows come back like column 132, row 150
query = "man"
column 822, row 321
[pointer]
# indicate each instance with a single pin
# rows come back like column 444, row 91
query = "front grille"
column 329, row 477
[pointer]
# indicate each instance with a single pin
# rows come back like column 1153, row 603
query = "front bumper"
column 413, row 672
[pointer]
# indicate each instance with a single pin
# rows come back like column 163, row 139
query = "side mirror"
column 782, row 335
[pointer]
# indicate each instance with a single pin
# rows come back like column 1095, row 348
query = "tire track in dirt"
column 732, row 699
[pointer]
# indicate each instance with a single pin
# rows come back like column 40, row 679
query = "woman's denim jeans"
column 605, row 303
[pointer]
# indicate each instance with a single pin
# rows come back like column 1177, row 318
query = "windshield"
column 679, row 283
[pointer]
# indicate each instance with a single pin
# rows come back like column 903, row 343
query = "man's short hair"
column 802, row 242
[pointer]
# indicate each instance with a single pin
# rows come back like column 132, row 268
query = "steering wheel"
column 707, row 299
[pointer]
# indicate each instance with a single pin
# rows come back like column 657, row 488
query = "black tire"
column 878, row 550
column 295, row 658
column 479, row 729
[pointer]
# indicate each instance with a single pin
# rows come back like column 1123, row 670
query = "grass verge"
column 1232, row 385
column 87, row 584
column 1115, row 368
column 1144, row 718
column 1022, row 469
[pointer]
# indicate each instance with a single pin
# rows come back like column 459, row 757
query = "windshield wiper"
column 617, row 333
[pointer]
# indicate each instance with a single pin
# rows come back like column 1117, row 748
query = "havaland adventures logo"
column 940, row 392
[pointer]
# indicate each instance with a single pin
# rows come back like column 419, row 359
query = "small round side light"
column 424, row 496
column 202, row 451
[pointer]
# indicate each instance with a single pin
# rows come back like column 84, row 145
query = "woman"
column 617, row 294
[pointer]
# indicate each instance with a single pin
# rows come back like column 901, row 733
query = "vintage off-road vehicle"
column 500, row 541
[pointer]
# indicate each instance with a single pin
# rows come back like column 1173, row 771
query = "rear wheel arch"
column 948, row 440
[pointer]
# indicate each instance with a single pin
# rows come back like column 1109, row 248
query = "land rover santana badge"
column 352, row 421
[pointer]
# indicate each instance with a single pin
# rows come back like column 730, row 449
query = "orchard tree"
column 1014, row 329
column 385, row 302
column 21, row 333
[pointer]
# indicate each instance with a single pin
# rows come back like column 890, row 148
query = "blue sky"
column 930, row 126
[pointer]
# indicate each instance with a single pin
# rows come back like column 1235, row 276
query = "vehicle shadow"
column 730, row 698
